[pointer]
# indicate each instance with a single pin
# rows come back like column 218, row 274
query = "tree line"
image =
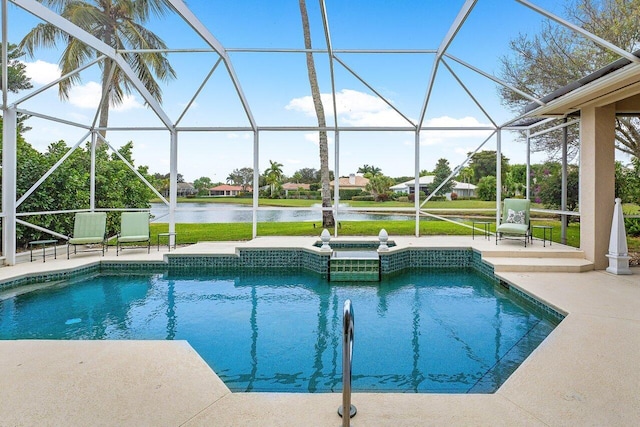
column 68, row 187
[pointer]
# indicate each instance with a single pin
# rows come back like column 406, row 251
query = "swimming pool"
column 437, row 330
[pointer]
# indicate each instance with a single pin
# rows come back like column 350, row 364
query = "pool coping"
column 585, row 372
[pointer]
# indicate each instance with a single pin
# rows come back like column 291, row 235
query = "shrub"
column 412, row 196
column 633, row 226
column 486, row 189
column 349, row 194
column 454, row 196
column 304, row 194
column 403, row 199
column 363, row 198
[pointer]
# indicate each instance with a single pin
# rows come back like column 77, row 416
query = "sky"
column 277, row 89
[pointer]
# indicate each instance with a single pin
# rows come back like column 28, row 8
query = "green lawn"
column 192, row 233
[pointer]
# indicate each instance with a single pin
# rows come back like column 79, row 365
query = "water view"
column 229, row 212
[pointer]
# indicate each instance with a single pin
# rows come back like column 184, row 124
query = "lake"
column 229, row 212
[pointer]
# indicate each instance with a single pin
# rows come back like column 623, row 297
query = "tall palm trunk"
column 327, row 216
column 104, row 105
column 107, row 79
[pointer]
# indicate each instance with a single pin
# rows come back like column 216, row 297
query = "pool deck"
column 585, row 373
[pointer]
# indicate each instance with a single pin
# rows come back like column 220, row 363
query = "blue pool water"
column 446, row 331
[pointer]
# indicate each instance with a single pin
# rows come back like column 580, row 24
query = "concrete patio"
column 584, row 373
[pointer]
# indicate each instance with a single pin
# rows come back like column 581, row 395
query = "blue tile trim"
column 132, row 266
column 256, row 258
column 482, row 266
column 556, row 315
column 397, row 261
column 34, row 278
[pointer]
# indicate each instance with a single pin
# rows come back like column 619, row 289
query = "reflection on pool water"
column 446, row 331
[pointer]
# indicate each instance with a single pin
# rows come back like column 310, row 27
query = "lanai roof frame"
column 179, row 6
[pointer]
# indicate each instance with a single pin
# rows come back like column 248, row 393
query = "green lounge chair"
column 88, row 228
column 515, row 219
column 134, row 227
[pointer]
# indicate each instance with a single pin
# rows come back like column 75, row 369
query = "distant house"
column 352, row 182
column 294, row 186
column 227, row 190
column 462, row 189
column 186, row 189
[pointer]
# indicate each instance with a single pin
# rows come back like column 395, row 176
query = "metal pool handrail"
column 347, row 357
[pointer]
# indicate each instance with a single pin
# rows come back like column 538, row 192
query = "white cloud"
column 83, row 96
column 361, row 109
column 128, row 103
column 41, row 72
column 431, row 137
column 304, row 104
column 354, row 108
column 88, row 96
column 294, row 161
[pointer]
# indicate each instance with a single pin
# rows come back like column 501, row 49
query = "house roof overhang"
column 617, row 83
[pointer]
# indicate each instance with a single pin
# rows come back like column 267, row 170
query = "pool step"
column 354, row 266
column 559, row 264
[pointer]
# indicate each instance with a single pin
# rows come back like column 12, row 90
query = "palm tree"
column 119, row 24
column 234, row 178
column 274, row 175
column 327, row 216
column 370, row 170
column 379, row 185
column 165, row 184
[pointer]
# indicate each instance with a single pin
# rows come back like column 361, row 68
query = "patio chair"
column 89, row 228
column 515, row 219
column 134, row 228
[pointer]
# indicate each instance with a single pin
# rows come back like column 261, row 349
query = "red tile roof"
column 227, row 187
column 294, row 186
